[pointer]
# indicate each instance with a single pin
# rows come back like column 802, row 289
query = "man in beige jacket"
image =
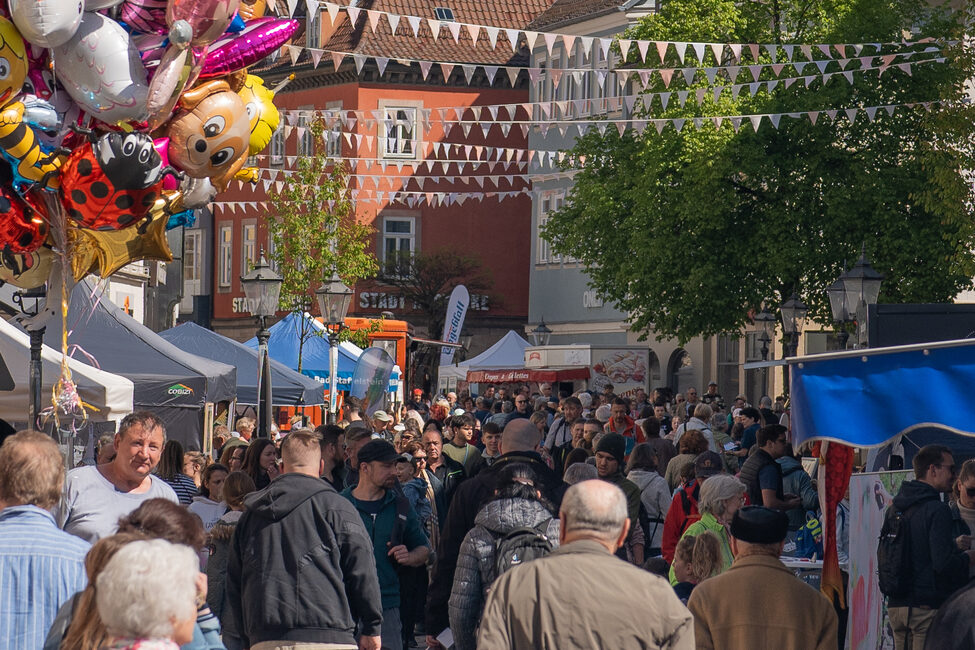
column 581, row 595
column 758, row 602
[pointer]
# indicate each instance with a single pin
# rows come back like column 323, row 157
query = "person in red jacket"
column 620, row 422
column 683, row 509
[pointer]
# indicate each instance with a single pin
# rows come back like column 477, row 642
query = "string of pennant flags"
column 548, row 111
column 639, row 126
column 556, row 74
column 491, row 34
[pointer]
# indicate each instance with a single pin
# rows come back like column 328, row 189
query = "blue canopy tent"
column 285, row 341
column 288, row 388
column 866, row 398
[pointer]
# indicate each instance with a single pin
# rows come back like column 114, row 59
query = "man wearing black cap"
column 803, row 617
column 609, row 466
column 393, row 526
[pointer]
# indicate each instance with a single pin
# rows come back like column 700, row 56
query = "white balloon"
column 101, row 70
column 47, row 23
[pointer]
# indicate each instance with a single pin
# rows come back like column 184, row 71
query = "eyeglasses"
column 420, row 459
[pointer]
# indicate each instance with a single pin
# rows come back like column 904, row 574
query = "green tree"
column 687, row 231
column 314, row 232
column 425, row 280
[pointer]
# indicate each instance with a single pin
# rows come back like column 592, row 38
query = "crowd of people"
column 513, row 519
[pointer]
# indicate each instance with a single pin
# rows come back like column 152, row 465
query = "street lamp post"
column 29, row 302
column 334, row 299
column 262, row 290
column 541, row 334
column 766, row 320
column 793, row 318
column 852, row 294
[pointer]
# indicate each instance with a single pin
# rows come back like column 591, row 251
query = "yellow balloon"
column 261, row 111
column 27, row 271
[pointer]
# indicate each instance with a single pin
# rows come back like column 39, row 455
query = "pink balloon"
column 208, row 18
column 161, row 145
column 260, row 37
column 146, row 16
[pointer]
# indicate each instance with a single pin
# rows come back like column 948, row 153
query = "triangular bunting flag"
column 434, row 26
column 454, row 29
column 549, row 42
column 425, row 68
column 393, row 20
column 492, row 33
column 624, row 48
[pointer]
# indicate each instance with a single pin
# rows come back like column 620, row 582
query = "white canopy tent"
column 507, row 352
column 110, row 394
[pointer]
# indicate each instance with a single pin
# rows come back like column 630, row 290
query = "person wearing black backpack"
column 919, row 561
column 518, row 525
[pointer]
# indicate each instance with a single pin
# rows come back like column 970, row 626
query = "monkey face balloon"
column 209, row 136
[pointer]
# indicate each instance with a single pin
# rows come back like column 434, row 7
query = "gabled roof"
column 511, row 14
column 569, row 11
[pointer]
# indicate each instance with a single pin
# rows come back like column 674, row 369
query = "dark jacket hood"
column 913, row 492
column 284, row 495
column 501, row 516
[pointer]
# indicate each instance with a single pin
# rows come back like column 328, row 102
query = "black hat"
column 613, row 444
column 377, row 450
column 759, row 525
column 707, row 464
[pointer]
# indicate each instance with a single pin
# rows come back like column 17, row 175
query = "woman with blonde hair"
column 697, row 558
column 194, row 462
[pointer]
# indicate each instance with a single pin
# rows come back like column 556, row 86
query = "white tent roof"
column 111, row 394
column 508, row 352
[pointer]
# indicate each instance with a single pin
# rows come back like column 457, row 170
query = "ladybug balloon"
column 22, row 228
column 114, row 182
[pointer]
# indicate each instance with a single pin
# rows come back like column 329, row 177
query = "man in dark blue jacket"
column 938, row 565
column 397, row 536
column 301, row 566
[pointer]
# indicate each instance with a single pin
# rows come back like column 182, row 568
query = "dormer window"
column 444, row 14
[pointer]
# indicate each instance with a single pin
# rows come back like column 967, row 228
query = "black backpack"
column 894, row 567
column 521, row 545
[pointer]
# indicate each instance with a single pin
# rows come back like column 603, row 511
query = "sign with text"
column 457, row 306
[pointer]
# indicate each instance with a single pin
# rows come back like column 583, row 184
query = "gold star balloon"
column 106, row 251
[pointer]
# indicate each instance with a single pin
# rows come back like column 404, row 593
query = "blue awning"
column 285, row 341
column 865, row 398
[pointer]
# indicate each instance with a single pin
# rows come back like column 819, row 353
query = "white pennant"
column 434, row 26
column 512, row 35
column 454, row 29
column 699, row 51
column 381, row 62
column 414, row 22
column 492, row 33
column 624, row 48
column 473, row 31
column 393, row 20
column 549, row 41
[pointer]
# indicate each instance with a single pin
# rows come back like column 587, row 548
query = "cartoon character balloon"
column 46, row 23
column 261, row 111
column 22, row 229
column 101, row 70
column 113, row 182
column 26, row 270
column 18, row 142
column 209, row 135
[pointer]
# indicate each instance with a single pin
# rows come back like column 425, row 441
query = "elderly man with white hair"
column 147, row 594
column 540, row 605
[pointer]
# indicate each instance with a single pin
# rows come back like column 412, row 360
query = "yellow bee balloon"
column 261, row 111
column 16, row 139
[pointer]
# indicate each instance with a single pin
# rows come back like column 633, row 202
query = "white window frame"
column 248, row 245
column 333, row 136
column 542, row 247
column 543, row 93
column 192, row 255
column 385, row 235
column 306, row 142
column 313, row 29
column 396, row 119
column 225, row 256
column 276, row 148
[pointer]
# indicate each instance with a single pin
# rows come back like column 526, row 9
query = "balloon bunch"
column 134, row 112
